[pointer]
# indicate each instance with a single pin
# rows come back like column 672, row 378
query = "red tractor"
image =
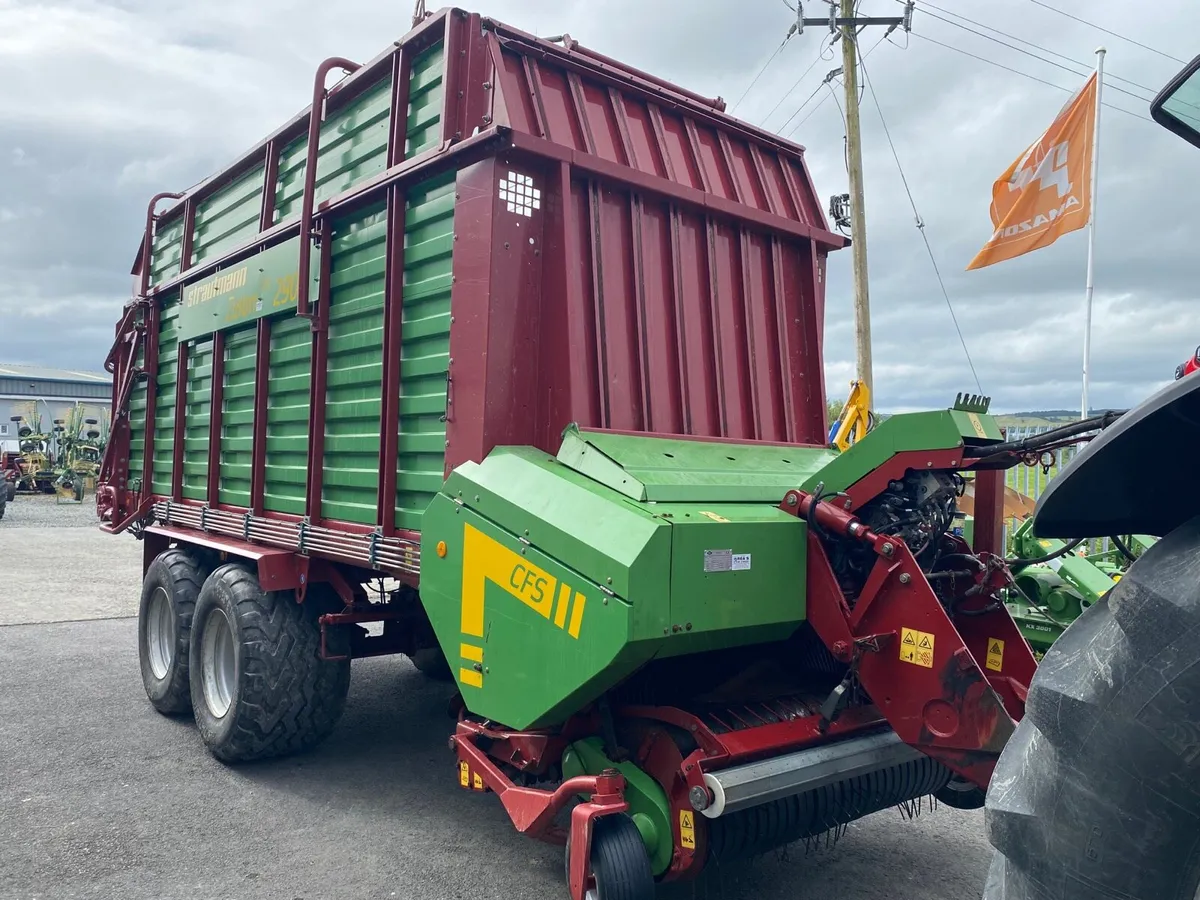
column 1190, row 365
column 8, row 481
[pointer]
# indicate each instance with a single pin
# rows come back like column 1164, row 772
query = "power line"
column 921, row 226
column 1050, row 62
column 1030, row 43
column 988, row 37
column 1087, row 69
column 992, row 62
column 807, row 100
column 1107, row 31
column 821, row 103
column 788, row 92
column 770, row 60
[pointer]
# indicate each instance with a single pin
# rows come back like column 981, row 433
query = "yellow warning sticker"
column 464, row 774
column 916, row 647
column 995, row 654
column 476, row 781
column 716, row 517
column 977, row 425
column 687, row 829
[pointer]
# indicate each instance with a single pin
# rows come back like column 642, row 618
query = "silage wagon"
column 537, row 337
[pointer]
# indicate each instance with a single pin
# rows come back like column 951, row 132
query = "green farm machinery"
column 534, row 339
column 1056, row 580
column 60, row 459
column 35, row 460
column 80, row 441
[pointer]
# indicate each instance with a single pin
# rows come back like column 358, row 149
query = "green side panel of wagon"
column 355, row 367
column 353, row 148
column 288, row 378
column 164, row 405
column 228, row 217
column 137, row 424
column 167, row 252
column 424, row 347
column 237, row 416
column 197, row 419
column 425, row 92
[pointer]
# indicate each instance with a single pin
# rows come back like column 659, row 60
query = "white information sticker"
column 718, row 560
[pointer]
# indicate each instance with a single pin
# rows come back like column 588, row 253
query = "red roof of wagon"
column 615, row 120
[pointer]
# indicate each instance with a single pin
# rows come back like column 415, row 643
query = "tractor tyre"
column 78, row 489
column 431, row 662
column 169, row 593
column 3, row 502
column 1098, row 792
column 12, row 491
column 259, row 685
column 620, row 862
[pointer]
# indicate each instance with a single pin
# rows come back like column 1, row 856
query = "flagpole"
column 1087, row 314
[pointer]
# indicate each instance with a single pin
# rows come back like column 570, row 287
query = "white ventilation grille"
column 518, row 192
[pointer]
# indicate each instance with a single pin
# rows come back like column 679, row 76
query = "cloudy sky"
column 108, row 102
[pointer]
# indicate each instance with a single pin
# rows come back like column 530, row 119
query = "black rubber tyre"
column 3, row 502
column 1098, row 792
column 961, row 794
column 12, row 491
column 174, row 578
column 431, row 662
column 620, row 863
column 279, row 696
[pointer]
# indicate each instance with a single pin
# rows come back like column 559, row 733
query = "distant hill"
column 1038, row 417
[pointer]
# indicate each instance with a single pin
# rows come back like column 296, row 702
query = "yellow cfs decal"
column 486, row 559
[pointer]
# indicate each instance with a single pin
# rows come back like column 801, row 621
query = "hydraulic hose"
column 1125, row 551
column 1037, row 441
column 1062, row 551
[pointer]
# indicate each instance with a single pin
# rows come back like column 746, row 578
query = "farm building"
column 33, row 391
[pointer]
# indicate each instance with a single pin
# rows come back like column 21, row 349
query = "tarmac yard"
column 102, row 797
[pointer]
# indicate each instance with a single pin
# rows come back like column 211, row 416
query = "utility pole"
column 858, row 209
column 845, row 26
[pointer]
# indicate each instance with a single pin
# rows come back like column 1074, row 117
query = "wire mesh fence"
column 1032, row 481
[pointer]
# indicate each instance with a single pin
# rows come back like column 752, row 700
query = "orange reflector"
column 441, row 549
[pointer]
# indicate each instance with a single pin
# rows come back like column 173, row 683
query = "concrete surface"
column 101, row 797
column 56, row 566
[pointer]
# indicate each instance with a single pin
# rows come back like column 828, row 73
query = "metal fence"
column 1033, row 480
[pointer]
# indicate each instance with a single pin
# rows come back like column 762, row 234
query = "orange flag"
column 1047, row 191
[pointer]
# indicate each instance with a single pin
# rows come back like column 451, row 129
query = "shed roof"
column 44, row 373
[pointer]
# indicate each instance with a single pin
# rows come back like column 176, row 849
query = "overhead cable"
column 1115, row 34
column 920, row 223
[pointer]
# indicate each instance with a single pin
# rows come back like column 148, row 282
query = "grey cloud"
column 121, row 99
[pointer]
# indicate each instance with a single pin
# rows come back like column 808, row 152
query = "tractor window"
column 1177, row 107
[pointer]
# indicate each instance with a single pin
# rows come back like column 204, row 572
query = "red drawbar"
column 532, row 811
